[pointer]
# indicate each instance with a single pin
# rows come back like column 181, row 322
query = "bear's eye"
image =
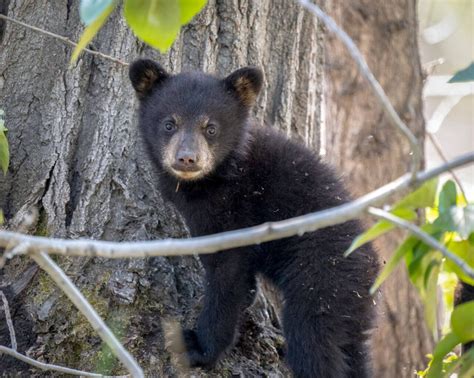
column 211, row 130
column 169, row 126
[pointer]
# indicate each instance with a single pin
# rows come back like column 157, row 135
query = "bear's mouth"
column 187, row 175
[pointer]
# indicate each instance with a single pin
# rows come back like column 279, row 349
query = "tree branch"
column 231, row 239
column 424, row 237
column 8, row 318
column 374, row 84
column 81, row 303
column 43, row 366
column 62, row 39
column 17, row 250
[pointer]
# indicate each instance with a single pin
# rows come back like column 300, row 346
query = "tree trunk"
column 76, row 157
column 363, row 144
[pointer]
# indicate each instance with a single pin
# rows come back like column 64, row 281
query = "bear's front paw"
column 194, row 353
column 185, row 347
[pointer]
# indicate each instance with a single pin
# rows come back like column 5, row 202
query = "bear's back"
column 293, row 177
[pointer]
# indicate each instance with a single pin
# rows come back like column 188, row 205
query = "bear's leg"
column 359, row 361
column 230, row 288
column 311, row 348
column 322, row 339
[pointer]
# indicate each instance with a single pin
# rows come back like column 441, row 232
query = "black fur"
column 465, row 293
column 260, row 176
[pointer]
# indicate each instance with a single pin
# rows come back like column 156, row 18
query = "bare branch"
column 374, row 84
column 8, row 318
column 423, row 236
column 81, row 303
column 62, row 39
column 43, row 366
column 439, row 149
column 231, row 239
column 17, row 250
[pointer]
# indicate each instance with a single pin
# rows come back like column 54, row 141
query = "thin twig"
column 230, row 239
column 374, row 84
column 81, row 303
column 43, row 366
column 62, row 39
column 439, row 149
column 17, row 250
column 8, row 318
column 423, row 236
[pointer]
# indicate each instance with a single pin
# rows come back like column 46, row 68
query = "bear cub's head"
column 191, row 122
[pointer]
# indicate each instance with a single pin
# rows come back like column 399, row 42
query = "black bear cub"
column 223, row 172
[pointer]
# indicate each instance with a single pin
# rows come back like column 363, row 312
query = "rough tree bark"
column 76, row 157
column 370, row 152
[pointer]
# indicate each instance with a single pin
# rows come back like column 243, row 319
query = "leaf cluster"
column 156, row 22
column 449, row 219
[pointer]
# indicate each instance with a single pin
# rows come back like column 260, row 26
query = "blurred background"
column 447, row 46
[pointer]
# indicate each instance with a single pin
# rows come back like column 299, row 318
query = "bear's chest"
column 218, row 211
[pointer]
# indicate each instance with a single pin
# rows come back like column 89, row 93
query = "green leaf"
column 430, row 299
column 2, row 218
column 90, row 31
column 189, row 8
column 414, row 258
column 414, row 262
column 458, row 219
column 428, row 289
column 471, row 238
column 466, row 74
column 156, row 22
column 433, row 263
column 379, row 229
column 465, row 251
column 467, row 364
column 424, row 196
column 402, row 250
column 423, row 268
column 447, row 196
column 447, row 282
column 462, row 321
column 4, row 150
column 446, row 345
column 90, row 10
column 463, row 219
column 450, row 363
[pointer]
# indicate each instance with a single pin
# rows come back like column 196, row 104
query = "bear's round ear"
column 245, row 84
column 146, row 74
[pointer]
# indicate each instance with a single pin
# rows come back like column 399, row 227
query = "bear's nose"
column 186, row 161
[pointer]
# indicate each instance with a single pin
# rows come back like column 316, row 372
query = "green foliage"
column 89, row 10
column 462, row 321
column 465, row 250
column 443, row 363
column 189, row 8
column 461, row 220
column 91, row 30
column 449, row 220
column 379, row 229
column 404, row 248
column 156, row 22
column 447, row 197
column 4, row 152
column 466, row 74
column 424, row 196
